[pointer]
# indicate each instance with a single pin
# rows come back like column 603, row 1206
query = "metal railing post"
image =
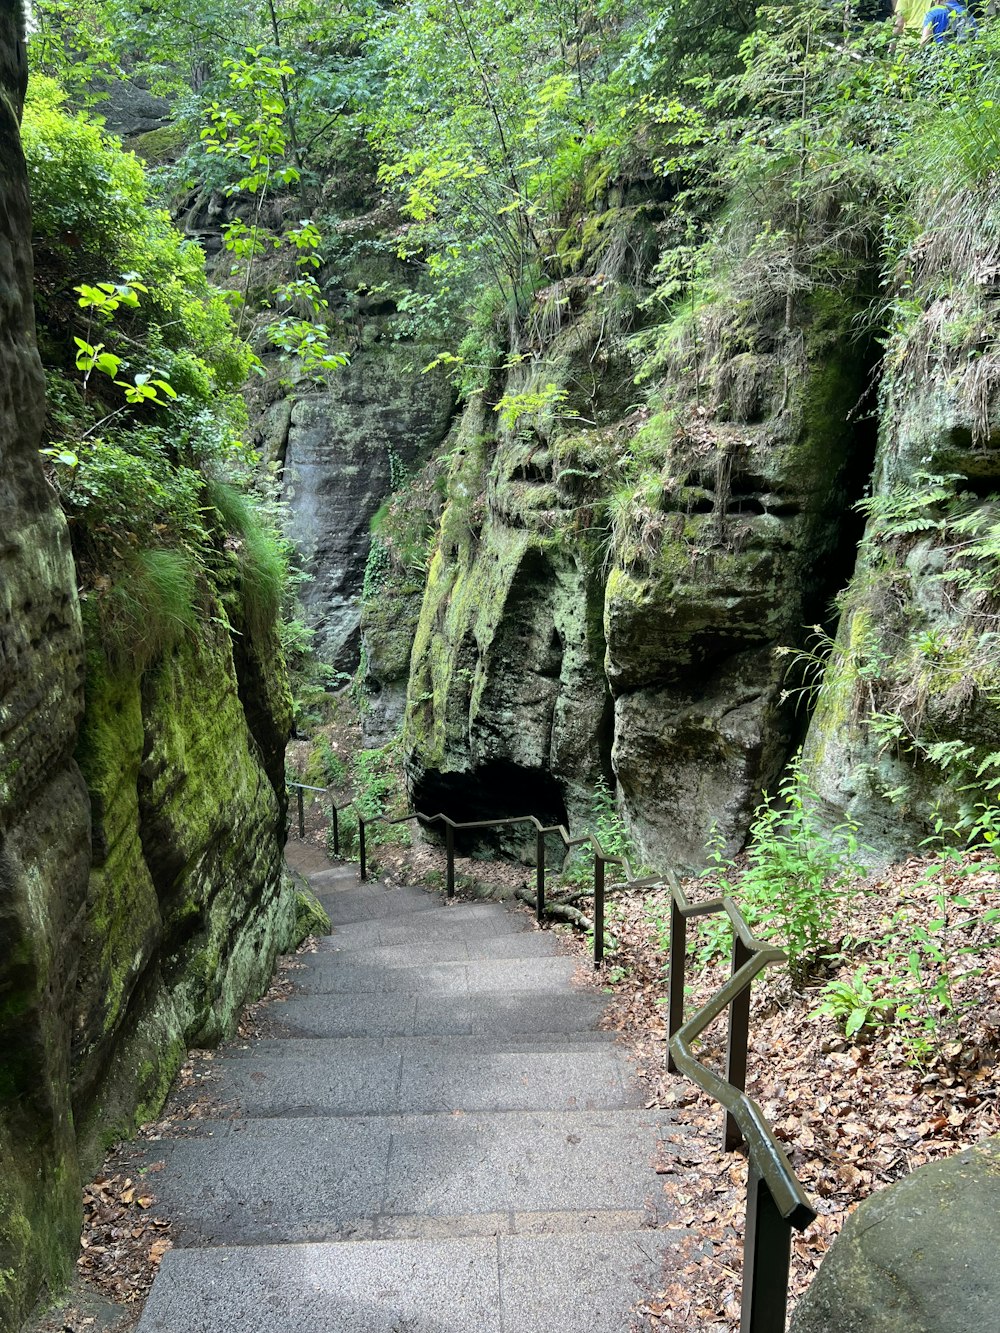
column 767, row 1253
column 737, row 1043
column 302, row 811
column 539, row 875
column 678, row 950
column 449, row 843
column 361, row 848
column 335, row 821
column 598, row 909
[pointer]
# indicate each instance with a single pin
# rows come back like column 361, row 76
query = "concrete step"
column 523, row 944
column 502, row 1284
column 334, row 877
column 513, row 1013
column 309, row 1179
column 301, row 1078
column 329, row 974
column 373, row 903
column 322, row 1048
column 468, row 921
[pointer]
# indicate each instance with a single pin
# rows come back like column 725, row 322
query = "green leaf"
column 856, row 1021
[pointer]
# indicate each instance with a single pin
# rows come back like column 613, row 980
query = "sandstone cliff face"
column 117, row 950
column 187, row 908
column 609, row 586
column 44, row 814
column 347, row 449
column 906, row 730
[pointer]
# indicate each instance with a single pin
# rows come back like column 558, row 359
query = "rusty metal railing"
column 776, row 1202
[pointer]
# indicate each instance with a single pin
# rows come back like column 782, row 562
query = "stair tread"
column 312, row 1178
column 503, row 1284
column 330, row 973
column 422, row 1077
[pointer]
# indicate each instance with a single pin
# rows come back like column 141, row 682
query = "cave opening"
column 498, row 789
column 835, row 571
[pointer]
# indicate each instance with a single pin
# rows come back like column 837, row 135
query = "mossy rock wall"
column 507, row 701
column 44, row 814
column 609, row 589
column 908, row 713
column 736, row 548
column 186, row 909
column 119, row 949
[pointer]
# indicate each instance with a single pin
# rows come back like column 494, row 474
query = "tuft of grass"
column 149, row 609
column 261, row 556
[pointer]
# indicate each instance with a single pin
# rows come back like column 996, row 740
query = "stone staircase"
column 437, row 1139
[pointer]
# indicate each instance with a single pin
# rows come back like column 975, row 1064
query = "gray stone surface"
column 516, row 1013
column 321, row 1178
column 524, row 944
column 346, row 448
column 579, row 1282
column 510, row 1284
column 434, row 1143
column 918, row 1257
column 354, row 974
column 357, row 1078
column 462, row 921
column 380, row 1287
column 361, row 902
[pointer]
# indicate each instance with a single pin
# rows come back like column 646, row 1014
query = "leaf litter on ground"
column 853, row 1115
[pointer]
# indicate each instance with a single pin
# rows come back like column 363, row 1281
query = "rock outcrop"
column 187, row 906
column 906, row 730
column 44, row 812
column 348, row 448
column 919, row 1257
column 609, row 588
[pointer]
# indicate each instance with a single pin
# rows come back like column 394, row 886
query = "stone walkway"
column 437, row 1139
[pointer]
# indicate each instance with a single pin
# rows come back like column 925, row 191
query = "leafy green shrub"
column 855, row 1003
column 150, row 608
column 115, row 491
column 796, row 872
column 85, row 191
column 94, row 221
column 611, row 831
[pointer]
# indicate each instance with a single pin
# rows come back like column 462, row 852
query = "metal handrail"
column 776, row 1201
column 601, row 857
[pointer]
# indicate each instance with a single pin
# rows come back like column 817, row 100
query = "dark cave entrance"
column 498, row 789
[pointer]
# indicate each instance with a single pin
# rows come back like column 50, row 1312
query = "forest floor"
column 853, row 1114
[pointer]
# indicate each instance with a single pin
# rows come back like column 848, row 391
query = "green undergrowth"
column 144, row 366
column 369, row 782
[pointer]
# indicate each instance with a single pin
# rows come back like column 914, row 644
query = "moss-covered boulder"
column 919, row 1257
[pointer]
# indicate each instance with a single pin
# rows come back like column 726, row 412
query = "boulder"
column 920, row 1257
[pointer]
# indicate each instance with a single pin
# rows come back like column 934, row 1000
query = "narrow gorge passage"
column 434, row 1136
